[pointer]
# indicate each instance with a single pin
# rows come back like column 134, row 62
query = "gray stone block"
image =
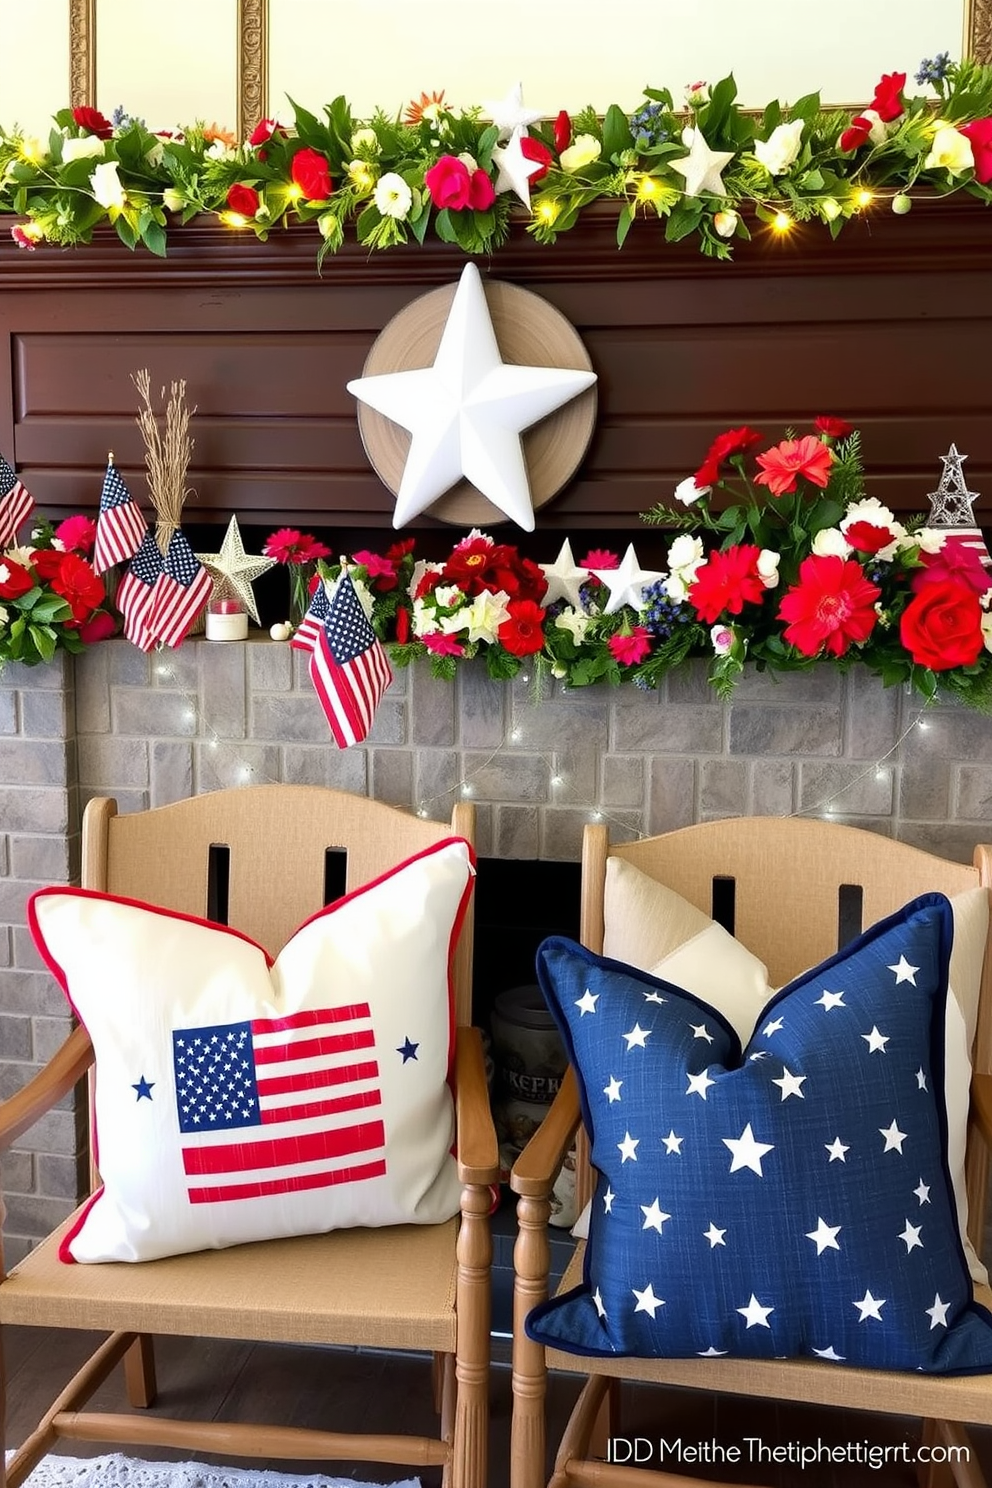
column 517, row 832
column 31, row 993
column 671, row 794
column 15, row 1037
column 58, row 1131
column 772, row 787
column 54, row 676
column 289, row 717
column 800, row 729
column 483, row 829
column 270, row 668
column 25, row 956
column 171, row 772
column 32, row 1214
column 44, row 715
column 874, row 715
column 954, row 732
column 106, row 762
column 4, row 856
column 45, row 859
column 93, row 689
column 845, row 788
column 33, row 762
column 690, row 684
column 223, row 692
column 389, row 725
column 181, row 670
column 561, row 720
column 6, row 951
column 392, row 776
column 722, row 788
column 823, row 684
column 671, row 728
column 508, row 777
column 924, row 789
column 482, row 708
column 16, row 1247
column 62, row 1177
column 974, row 792
column 48, row 1035
column 437, row 776
column 623, row 780
column 35, row 809
column 224, row 765
column 128, row 667
column 432, row 708
column 344, row 769
column 149, row 713
column 8, row 712
column 17, row 1172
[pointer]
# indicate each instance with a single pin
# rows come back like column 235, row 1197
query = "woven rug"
column 117, row 1471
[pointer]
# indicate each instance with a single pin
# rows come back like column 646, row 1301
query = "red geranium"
column 15, row 579
column 243, row 199
column 629, row 649
column 831, row 607
column 727, row 581
column 887, row 102
column 311, row 172
column 78, row 585
column 979, row 132
column 832, row 428
column 865, row 537
column 93, row 122
column 537, row 150
column 954, row 561
column 523, row 633
column 782, row 466
column 942, row 627
column 724, row 446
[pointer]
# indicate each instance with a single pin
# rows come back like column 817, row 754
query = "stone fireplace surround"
column 149, row 730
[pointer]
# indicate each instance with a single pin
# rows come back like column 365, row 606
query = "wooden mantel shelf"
column 889, row 326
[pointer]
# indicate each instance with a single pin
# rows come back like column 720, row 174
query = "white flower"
column 688, row 492
column 684, row 557
column 986, row 630
column 173, row 200
column 449, row 595
column 697, row 93
column 575, row 622
column 361, row 175
column 927, row 539
column 780, row 149
column 484, row 616
column 32, row 149
column 768, row 561
column 106, row 186
column 558, row 671
column 424, row 619
column 219, row 151
column 583, row 151
column 4, row 617
column 951, row 151
column 4, row 573
column 365, row 139
column 722, row 638
column 154, row 156
column 87, row 147
column 830, row 542
column 21, row 554
column 725, row 223
column 468, row 161
column 393, row 196
column 878, row 131
column 365, row 596
column 420, row 568
column 870, row 509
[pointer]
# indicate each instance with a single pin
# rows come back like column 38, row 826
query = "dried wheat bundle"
column 168, row 448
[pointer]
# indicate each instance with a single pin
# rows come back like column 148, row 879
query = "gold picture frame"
column 252, row 50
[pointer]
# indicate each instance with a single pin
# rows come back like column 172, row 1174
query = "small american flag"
column 16, row 503
column 136, row 593
column 120, row 525
column 348, row 667
column 276, row 1105
column 972, row 540
column 181, row 590
column 310, row 626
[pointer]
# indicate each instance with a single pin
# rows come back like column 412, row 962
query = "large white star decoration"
column 790, row 1084
column 702, row 166
column 837, row 1150
column 870, row 1307
column 894, row 1138
column 587, row 1002
column 746, row 1151
column 612, row 1091
column 515, row 168
column 509, row 113
column 754, row 1314
column 824, row 1237
column 626, row 583
column 637, row 1037
column 564, row 578
column 647, row 1301
column 654, row 1216
column 234, row 571
column 467, row 411
column 830, row 1000
column 628, row 1148
column 937, row 1313
column 699, row 1084
column 714, row 1236
column 876, row 1041
column 904, row 972
column 911, row 1237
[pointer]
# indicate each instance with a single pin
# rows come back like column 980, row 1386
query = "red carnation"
column 93, row 122
column 15, row 579
column 887, row 102
column 523, row 633
column 243, row 199
column 628, row 650
column 832, row 428
column 311, row 172
column 866, row 537
column 563, row 132
column 979, row 133
column 79, row 586
column 77, row 534
column 942, row 627
column 535, row 149
column 831, row 607
column 726, row 582
column 732, row 442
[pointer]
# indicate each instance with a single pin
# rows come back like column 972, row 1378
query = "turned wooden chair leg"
column 139, row 1372
column 531, row 1264
column 607, row 1422
column 470, row 1441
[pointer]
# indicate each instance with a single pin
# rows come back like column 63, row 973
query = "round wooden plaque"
column 530, row 333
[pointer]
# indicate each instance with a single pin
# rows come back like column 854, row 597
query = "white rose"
column 725, row 223
column 173, row 200
column 768, row 561
column 106, row 186
column 219, row 151
column 393, row 196
column 484, row 616
column 575, row 622
column 583, row 151
column 689, row 493
column 780, row 149
column 88, row 147
column 951, row 151
column 722, row 638
column 831, row 543
column 686, row 551
column 365, row 139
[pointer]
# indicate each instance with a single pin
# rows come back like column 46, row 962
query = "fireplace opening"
column 518, row 903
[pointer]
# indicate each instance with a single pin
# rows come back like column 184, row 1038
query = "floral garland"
column 50, row 597
column 801, row 568
column 706, row 167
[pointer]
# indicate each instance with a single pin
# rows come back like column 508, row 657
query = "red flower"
column 311, row 172
column 856, row 134
column 93, row 122
column 732, row 442
column 77, row 535
column 523, row 633
column 98, row 627
column 15, row 579
column 782, row 466
column 308, row 549
column 477, row 564
column 415, row 110
column 954, row 561
column 78, row 585
column 887, row 102
column 535, row 149
column 727, row 581
column 442, row 645
column 243, row 199
column 942, row 627
column 286, row 544
column 600, row 558
column 865, row 537
column 481, row 192
column 832, row 428
column 380, row 570
column 979, row 132
column 831, row 607
column 628, row 650
column 264, row 130
column 402, row 626
column 453, row 186
column 397, row 551
column 46, row 563
column 563, row 132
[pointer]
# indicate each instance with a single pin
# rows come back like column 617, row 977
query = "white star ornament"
column 564, row 578
column 509, row 113
column 626, row 583
column 702, row 166
column 467, row 411
column 515, row 169
column 234, row 571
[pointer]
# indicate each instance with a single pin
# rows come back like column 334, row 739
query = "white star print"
column 608, row 1198
column 699, row 1084
column 824, row 1237
column 894, row 1138
column 711, row 1353
column 654, row 1216
column 922, row 1192
column 673, row 1144
column 714, row 1236
column 827, row 1001
column 904, row 972
column 650, row 996
column 747, row 1153
column 789, row 1084
column 637, row 1037
column 587, row 1002
column 911, row 1237
column 612, row 1091
column 871, row 1307
column 628, row 1148
column 754, row 1314
column 837, row 1149
column 876, row 1041
column 921, row 1079
column 772, row 1027
column 647, row 1301
column 759, row 1054
column 598, row 1300
column 699, row 1030
column 828, row 1353
column 937, row 1313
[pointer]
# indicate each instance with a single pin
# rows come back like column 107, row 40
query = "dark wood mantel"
column 889, row 326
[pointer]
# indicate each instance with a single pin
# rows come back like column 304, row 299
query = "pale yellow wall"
column 172, row 61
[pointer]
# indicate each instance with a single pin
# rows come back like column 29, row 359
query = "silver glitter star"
column 950, row 504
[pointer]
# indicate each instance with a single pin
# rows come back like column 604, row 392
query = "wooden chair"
column 404, row 1288
column 789, row 877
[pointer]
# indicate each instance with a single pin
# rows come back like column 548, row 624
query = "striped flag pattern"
column 120, row 525
column 181, row 591
column 136, row 593
column 972, row 540
column 16, row 503
column 310, row 626
column 277, row 1105
column 348, row 667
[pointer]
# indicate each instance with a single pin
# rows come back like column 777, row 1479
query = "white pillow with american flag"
column 243, row 1099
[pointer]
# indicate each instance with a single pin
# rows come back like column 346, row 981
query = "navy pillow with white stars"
column 787, row 1200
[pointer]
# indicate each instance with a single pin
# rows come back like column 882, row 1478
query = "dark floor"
column 293, row 1386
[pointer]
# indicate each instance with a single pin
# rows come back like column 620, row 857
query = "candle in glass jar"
column 226, row 621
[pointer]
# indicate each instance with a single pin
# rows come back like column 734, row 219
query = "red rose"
column 563, row 132
column 93, row 122
column 523, row 633
column 449, row 183
column 264, row 130
column 481, row 192
column 887, row 102
column 942, row 627
column 856, row 133
column 15, row 580
column 535, row 149
column 79, row 586
column 243, row 199
column 979, row 132
column 311, row 172
column 832, row 428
